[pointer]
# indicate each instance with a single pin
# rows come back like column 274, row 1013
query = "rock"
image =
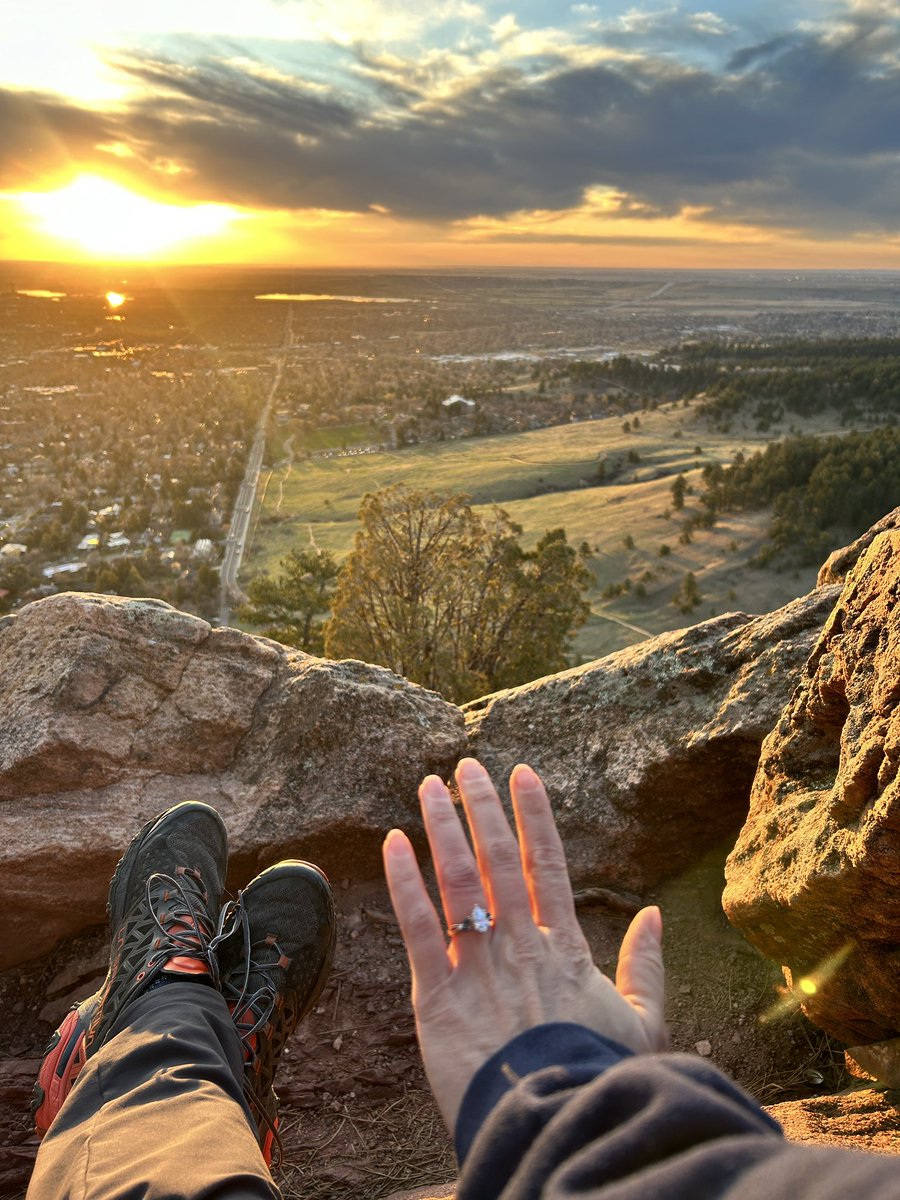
column 865, row 1120
column 115, row 709
column 879, row 1062
column 703, row 1048
column 435, row 1191
column 649, row 754
column 17, row 1076
column 840, row 562
column 813, row 879
column 78, row 972
column 54, row 1010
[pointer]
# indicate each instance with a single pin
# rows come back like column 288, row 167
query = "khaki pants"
column 158, row 1113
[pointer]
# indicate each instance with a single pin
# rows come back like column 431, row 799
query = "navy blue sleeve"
column 576, row 1055
column 564, row 1114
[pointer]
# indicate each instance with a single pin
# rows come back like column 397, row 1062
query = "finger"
column 640, row 974
column 496, row 848
column 419, row 923
column 546, row 874
column 457, row 873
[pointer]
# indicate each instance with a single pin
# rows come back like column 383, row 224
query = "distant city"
column 130, row 403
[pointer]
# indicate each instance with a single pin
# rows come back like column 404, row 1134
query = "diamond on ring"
column 479, row 920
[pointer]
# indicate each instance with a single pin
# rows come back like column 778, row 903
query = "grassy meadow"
column 547, row 478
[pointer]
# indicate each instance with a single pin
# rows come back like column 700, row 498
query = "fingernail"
column 525, row 777
column 396, row 843
column 470, row 770
column 432, row 787
column 655, row 924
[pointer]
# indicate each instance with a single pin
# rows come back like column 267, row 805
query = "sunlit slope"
column 547, row 478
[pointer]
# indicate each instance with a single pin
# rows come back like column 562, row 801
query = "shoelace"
column 252, row 1011
column 185, row 926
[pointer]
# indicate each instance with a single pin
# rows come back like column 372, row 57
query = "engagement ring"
column 479, row 920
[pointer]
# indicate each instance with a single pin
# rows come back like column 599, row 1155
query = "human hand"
column 534, row 966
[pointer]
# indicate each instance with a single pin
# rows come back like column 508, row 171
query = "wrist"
column 561, row 1044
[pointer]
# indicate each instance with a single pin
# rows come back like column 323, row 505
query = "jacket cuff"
column 559, row 1044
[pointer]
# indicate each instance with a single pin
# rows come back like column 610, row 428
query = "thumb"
column 640, row 975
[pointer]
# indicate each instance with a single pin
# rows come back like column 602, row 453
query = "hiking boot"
column 164, row 898
column 63, row 1059
column 274, row 965
column 266, row 999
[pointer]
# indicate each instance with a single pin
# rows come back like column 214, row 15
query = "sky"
column 421, row 133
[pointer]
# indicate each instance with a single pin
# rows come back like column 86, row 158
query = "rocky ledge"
column 115, row 709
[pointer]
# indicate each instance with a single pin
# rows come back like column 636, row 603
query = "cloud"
column 798, row 131
column 41, row 135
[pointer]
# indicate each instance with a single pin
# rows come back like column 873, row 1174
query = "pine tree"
column 292, row 607
column 679, row 487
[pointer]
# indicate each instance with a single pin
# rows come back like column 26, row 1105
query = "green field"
column 316, row 501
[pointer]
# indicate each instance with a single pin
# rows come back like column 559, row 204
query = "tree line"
column 813, row 485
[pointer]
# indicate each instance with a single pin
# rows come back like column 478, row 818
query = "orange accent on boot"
column 250, row 1045
column 185, row 964
column 59, row 1070
column 181, row 964
column 267, row 1143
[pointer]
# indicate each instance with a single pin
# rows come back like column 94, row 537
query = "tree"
column 679, row 487
column 291, row 608
column 688, row 595
column 449, row 597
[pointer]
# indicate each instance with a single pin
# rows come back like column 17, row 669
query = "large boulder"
column 114, row 709
column 839, row 563
column 649, row 753
column 814, row 879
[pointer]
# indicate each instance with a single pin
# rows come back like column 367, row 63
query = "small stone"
column 337, row 1043
column 685, row 989
column 703, row 1048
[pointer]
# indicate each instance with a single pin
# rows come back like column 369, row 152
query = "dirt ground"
column 357, row 1117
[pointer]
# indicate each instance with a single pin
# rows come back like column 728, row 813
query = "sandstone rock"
column 813, row 880
column 649, row 754
column 114, row 709
column 840, row 562
column 77, row 974
column 54, row 1010
column 879, row 1061
column 865, row 1120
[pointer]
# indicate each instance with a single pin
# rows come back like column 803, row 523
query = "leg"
column 159, row 1029
column 158, row 1111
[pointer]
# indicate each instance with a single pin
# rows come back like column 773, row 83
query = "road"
column 235, row 543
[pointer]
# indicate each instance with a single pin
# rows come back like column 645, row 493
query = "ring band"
column 479, row 920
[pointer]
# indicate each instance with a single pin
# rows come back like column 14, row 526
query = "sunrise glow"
column 102, row 218
column 476, row 134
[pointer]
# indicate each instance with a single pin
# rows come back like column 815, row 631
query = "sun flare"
column 105, row 219
column 115, row 299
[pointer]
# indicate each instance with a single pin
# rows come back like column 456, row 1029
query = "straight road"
column 235, row 543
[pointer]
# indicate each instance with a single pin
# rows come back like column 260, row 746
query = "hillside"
column 549, row 477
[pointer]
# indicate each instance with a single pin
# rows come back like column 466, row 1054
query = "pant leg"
column 158, row 1113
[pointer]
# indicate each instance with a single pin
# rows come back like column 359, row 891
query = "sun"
column 105, row 219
